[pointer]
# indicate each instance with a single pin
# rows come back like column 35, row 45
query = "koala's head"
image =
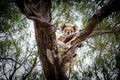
column 68, row 29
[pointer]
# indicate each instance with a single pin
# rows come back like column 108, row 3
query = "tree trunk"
column 40, row 13
column 46, row 39
column 44, row 42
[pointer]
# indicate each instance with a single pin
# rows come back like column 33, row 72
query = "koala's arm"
column 61, row 44
column 68, row 38
column 62, row 38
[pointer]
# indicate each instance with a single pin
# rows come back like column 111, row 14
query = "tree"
column 40, row 12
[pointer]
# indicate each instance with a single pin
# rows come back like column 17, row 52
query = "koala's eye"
column 67, row 32
column 71, row 31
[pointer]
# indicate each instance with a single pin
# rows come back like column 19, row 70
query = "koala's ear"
column 63, row 26
column 75, row 27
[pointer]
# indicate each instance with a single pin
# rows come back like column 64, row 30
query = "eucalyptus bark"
column 40, row 12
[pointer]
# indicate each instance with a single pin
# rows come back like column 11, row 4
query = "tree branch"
column 11, row 60
column 97, row 33
column 30, row 10
column 31, row 69
column 5, row 72
column 97, row 18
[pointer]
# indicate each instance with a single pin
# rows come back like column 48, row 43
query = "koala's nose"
column 68, row 32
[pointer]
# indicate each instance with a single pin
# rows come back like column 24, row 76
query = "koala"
column 68, row 33
column 68, row 29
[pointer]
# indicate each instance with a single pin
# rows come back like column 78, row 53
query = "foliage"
column 103, row 51
column 98, row 59
column 17, row 53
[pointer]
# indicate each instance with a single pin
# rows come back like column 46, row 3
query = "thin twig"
column 11, row 60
